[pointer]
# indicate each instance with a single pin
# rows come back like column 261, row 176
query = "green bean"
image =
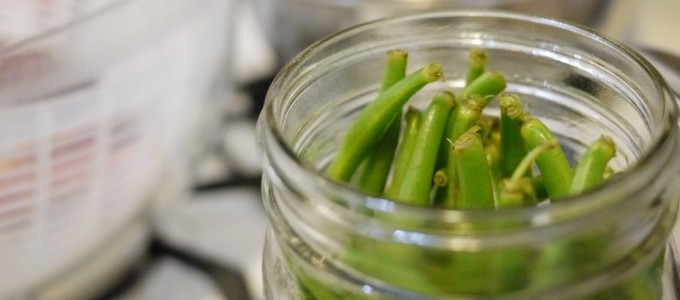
column 520, row 194
column 555, row 170
column 440, row 179
column 512, row 263
column 474, row 97
column 401, row 265
column 558, row 261
column 467, row 113
column 375, row 169
column 486, row 272
column 512, row 147
column 441, row 183
column 592, row 166
column 491, row 149
column 374, row 120
column 415, row 187
column 530, row 158
column 404, row 151
column 444, row 145
column 518, row 190
column 473, row 172
column 486, row 86
column 395, row 69
column 489, row 125
column 478, row 59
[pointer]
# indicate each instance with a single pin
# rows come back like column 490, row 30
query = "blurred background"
column 129, row 166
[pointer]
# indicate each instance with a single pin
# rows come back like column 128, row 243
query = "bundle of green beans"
column 451, row 156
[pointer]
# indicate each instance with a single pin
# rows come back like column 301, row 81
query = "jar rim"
column 573, row 206
column 478, row 2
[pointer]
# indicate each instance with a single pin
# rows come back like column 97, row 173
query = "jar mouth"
column 617, row 189
column 477, row 3
column 481, row 3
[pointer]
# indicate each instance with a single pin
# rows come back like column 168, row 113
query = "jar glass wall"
column 327, row 241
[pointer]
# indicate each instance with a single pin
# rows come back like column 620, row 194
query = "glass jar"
column 328, row 241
